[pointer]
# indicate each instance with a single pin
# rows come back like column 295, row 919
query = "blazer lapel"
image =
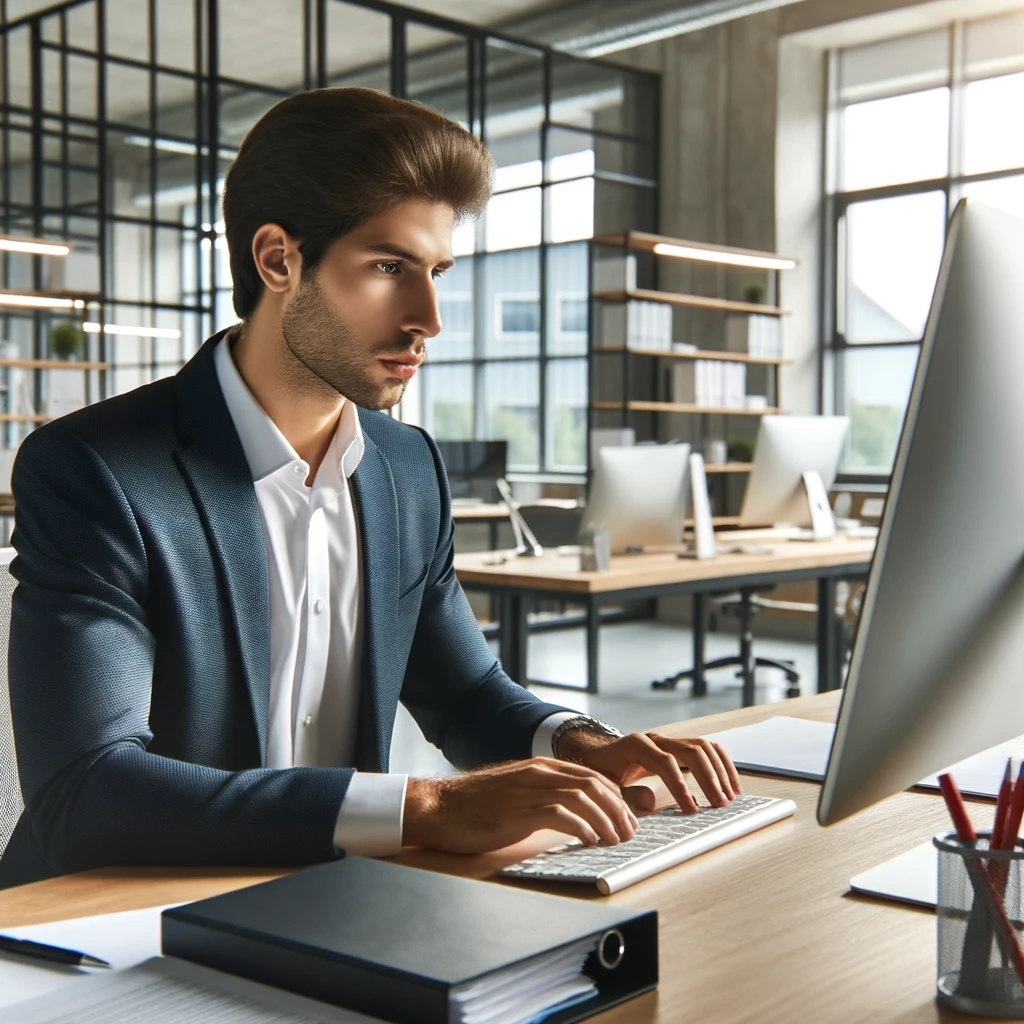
column 377, row 510
column 213, row 463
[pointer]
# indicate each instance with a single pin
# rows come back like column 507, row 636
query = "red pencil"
column 957, row 811
column 1002, row 807
column 984, row 889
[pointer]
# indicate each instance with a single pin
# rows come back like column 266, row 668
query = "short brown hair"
column 320, row 163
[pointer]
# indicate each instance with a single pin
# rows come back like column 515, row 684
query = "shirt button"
column 299, row 470
column 308, row 720
column 318, row 606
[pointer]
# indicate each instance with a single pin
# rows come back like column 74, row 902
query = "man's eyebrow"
column 385, row 249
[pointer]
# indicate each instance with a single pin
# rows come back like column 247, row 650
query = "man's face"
column 361, row 322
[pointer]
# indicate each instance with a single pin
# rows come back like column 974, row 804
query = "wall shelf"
column 18, row 417
column 641, row 406
column 728, row 467
column 694, row 301
column 53, row 364
column 724, row 357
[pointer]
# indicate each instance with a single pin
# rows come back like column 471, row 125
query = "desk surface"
column 760, row 929
column 561, row 572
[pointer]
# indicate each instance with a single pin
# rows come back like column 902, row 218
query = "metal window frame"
column 95, row 221
column 836, row 204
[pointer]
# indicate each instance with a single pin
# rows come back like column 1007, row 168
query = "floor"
column 632, row 655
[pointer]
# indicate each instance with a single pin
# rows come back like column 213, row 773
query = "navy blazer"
column 139, row 662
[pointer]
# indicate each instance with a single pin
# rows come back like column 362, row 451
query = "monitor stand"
column 703, row 529
column 823, row 522
column 526, row 542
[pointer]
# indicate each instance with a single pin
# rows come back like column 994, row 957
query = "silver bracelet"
column 587, row 724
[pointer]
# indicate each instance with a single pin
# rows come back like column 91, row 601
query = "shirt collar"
column 266, row 448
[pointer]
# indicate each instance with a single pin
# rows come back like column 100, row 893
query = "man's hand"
column 495, row 807
column 627, row 759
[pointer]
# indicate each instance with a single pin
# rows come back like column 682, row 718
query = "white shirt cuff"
column 542, row 746
column 370, row 820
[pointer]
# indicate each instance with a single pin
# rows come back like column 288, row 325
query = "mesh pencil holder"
column 980, row 927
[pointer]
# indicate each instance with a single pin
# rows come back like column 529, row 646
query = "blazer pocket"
column 415, row 586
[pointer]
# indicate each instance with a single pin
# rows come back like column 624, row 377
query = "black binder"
column 393, row 941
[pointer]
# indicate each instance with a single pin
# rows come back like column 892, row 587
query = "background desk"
column 759, row 930
column 519, row 580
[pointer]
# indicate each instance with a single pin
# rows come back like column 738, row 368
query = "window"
column 518, row 315
column 911, row 133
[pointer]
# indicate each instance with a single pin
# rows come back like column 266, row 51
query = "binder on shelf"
column 417, row 947
column 756, row 335
column 615, row 274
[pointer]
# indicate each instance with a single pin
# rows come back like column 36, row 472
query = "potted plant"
column 67, row 340
column 754, row 292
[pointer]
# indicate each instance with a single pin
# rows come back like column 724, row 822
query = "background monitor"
column 473, row 467
column 787, row 447
column 638, row 495
column 936, row 669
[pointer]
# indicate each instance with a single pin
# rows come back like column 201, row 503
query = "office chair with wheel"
column 744, row 605
column 10, row 788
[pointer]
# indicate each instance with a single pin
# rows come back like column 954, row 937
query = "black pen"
column 54, row 954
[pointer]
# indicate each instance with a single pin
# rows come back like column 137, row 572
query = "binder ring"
column 611, row 947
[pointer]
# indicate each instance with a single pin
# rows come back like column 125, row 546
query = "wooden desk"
column 518, row 580
column 759, row 930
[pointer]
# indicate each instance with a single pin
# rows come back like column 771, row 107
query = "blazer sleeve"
column 454, row 687
column 80, row 672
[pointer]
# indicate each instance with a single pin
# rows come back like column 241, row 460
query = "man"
column 229, row 578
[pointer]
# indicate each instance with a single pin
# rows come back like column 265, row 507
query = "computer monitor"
column 936, row 669
column 789, row 448
column 473, row 468
column 638, row 495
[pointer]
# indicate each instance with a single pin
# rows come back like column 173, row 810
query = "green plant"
column 67, row 340
column 740, row 451
column 753, row 292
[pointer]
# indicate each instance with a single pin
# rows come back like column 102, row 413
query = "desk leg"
column 828, row 640
column 593, row 628
column 699, row 612
column 493, row 534
column 513, row 636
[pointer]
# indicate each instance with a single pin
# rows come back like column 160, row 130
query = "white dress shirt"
column 316, row 613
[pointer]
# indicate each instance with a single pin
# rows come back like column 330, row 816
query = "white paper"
column 912, row 877
column 522, row 991
column 123, row 940
column 170, row 991
column 794, row 747
column 798, row 748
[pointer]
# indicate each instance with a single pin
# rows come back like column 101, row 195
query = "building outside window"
column 915, row 124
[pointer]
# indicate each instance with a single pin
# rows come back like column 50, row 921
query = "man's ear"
column 277, row 258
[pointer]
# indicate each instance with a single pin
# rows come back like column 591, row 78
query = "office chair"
column 10, row 788
column 744, row 605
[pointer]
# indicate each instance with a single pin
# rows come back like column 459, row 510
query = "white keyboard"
column 662, row 840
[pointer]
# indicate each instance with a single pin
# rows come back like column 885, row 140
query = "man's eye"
column 390, row 267
column 438, row 274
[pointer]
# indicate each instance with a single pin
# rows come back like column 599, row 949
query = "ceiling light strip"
column 734, row 259
column 29, row 301
column 33, row 246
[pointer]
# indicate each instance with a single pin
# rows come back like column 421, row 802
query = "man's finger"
column 641, row 799
column 561, row 774
column 584, row 807
column 645, row 752
column 730, row 768
column 561, row 819
column 714, row 755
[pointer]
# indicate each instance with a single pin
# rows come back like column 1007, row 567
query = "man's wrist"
column 574, row 737
column 422, row 810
